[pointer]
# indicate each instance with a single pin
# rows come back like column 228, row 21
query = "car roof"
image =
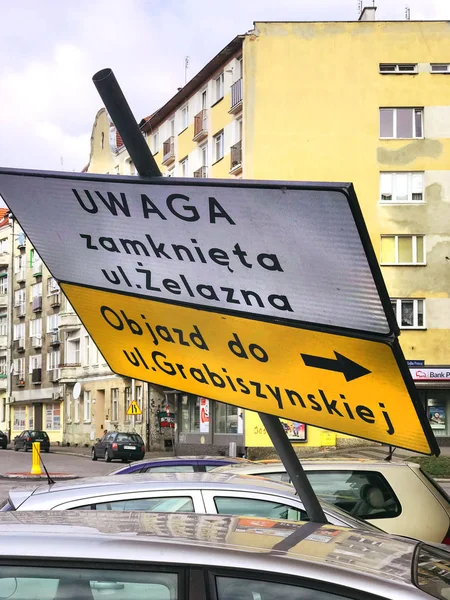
column 210, row 540
column 187, row 459
column 335, row 464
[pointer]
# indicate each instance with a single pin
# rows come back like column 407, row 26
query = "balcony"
column 69, row 320
column 236, row 97
column 236, row 158
column 69, row 372
column 202, row 172
column 4, row 260
column 36, row 341
column 21, row 310
column 169, row 151
column 37, row 269
column 20, row 379
column 19, row 345
column 37, row 304
column 55, row 300
column 3, row 381
column 3, row 342
column 3, row 299
column 53, row 338
column 54, row 375
column 20, row 276
column 36, row 376
column 200, row 125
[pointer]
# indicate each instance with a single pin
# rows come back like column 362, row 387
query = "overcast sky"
column 50, row 49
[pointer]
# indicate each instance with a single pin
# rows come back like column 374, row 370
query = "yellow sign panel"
column 134, row 409
column 344, row 384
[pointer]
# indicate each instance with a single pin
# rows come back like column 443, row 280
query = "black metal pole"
column 293, row 467
column 120, row 112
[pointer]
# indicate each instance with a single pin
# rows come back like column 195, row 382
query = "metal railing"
column 36, row 341
column 37, row 304
column 201, row 124
column 236, row 93
column 236, row 155
column 169, row 149
column 202, row 172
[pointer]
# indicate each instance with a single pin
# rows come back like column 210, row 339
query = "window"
column 162, row 505
column 155, row 142
column 401, row 122
column 410, row 312
column 204, row 99
column 172, row 127
column 52, row 286
column 250, row 507
column 36, row 291
column 3, row 282
column 4, row 246
column 218, row 146
column 35, row 363
column 398, row 68
column 190, row 414
column 35, row 259
column 49, row 582
column 87, row 350
column 3, row 368
column 401, row 187
column 184, row 118
column 258, row 589
column 402, row 250
column 440, row 67
column 19, row 418
column 20, row 297
column 139, row 398
column 19, row 331
column 364, row 494
column 225, row 418
column 36, row 330
column 53, row 360
column 219, row 87
column 52, row 322
column 19, row 264
column 19, row 367
column 170, row 469
column 184, row 167
column 76, row 415
column 3, row 324
column 87, row 406
column 127, row 393
column 52, row 416
column 69, row 407
column 115, row 404
column 204, row 155
column 131, row 167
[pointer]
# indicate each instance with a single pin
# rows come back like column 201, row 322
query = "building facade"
column 5, row 320
column 362, row 101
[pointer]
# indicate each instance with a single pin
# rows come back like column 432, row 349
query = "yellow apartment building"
column 364, row 101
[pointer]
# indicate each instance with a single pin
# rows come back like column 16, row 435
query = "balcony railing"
column 69, row 372
column 3, row 381
column 19, row 345
column 20, row 309
column 37, row 304
column 20, row 379
column 169, row 151
column 20, row 276
column 54, row 375
column 53, row 338
column 236, row 96
column 3, row 299
column 36, row 376
column 236, row 157
column 200, row 125
column 55, row 299
column 202, row 172
column 36, row 341
column 37, row 269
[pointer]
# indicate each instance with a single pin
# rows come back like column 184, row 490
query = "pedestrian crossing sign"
column 134, row 409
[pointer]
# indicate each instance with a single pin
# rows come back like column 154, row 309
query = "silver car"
column 141, row 556
column 175, row 492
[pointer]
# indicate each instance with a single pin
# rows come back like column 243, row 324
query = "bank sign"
column 264, row 295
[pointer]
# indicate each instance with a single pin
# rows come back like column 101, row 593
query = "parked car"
column 395, row 496
column 3, row 440
column 87, row 556
column 25, row 440
column 119, row 445
column 175, row 492
column 179, row 464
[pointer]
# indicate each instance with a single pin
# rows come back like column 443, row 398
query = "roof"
column 4, row 220
column 307, row 549
column 191, row 86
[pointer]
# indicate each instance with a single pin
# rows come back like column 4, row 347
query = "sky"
column 51, row 49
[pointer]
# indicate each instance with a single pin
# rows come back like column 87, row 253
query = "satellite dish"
column 76, row 391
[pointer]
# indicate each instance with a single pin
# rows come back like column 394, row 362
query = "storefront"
column 44, row 415
column 433, row 385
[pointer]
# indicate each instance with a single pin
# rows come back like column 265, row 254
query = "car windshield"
column 129, row 437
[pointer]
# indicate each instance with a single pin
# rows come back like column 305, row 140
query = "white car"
column 398, row 497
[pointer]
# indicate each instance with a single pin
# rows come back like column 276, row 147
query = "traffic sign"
column 266, row 295
column 134, row 409
column 341, row 383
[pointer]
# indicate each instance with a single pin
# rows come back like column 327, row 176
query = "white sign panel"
column 292, row 252
column 431, row 374
column 204, row 415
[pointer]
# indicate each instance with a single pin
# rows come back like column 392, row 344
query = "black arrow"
column 341, row 364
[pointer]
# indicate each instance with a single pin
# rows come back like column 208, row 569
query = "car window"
column 212, row 467
column 168, row 505
column 364, row 494
column 284, row 477
column 169, row 469
column 251, row 507
column 109, row 438
column 129, row 437
column 233, row 588
column 49, row 583
column 39, row 434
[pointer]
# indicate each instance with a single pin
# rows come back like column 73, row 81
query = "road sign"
column 354, row 387
column 274, row 251
column 134, row 409
column 261, row 294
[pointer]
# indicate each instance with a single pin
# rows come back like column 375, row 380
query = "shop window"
column 437, row 410
column 225, row 418
column 190, row 414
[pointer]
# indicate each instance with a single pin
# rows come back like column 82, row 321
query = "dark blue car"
column 178, row 464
